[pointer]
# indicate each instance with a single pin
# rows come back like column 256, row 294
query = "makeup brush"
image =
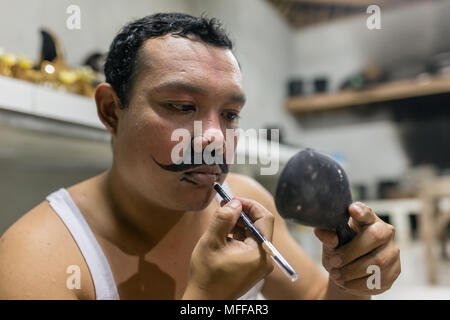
column 267, row 246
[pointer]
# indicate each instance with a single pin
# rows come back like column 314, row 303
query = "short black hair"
column 121, row 61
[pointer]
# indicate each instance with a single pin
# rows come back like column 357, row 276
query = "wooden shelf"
column 21, row 96
column 302, row 13
column 383, row 93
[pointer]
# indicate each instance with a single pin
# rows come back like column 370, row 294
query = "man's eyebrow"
column 237, row 97
column 188, row 87
column 179, row 86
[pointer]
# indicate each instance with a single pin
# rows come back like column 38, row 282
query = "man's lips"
column 203, row 175
column 203, row 178
column 206, row 170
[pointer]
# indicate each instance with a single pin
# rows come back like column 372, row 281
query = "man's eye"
column 181, row 107
column 231, row 116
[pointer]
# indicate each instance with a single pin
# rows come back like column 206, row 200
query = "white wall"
column 100, row 21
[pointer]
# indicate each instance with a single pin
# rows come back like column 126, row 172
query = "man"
column 149, row 228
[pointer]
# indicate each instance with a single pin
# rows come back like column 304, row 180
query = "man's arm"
column 35, row 253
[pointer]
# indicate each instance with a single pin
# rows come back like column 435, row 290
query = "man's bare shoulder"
column 35, row 253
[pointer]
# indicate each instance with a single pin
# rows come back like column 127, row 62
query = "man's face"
column 180, row 81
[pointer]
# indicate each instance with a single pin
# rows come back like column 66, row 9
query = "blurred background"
column 371, row 88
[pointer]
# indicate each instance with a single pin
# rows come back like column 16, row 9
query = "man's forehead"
column 173, row 52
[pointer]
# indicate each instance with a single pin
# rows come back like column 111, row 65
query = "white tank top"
column 105, row 287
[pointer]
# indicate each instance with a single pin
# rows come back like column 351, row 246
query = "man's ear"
column 108, row 106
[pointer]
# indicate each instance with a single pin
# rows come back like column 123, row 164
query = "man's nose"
column 208, row 136
column 211, row 131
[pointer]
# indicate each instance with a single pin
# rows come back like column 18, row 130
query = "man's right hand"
column 224, row 268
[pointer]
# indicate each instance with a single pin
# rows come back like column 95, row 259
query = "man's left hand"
column 351, row 265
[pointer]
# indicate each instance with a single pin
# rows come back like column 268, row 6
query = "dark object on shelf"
column 51, row 50
column 96, row 61
column 320, row 85
column 355, row 82
column 48, row 50
column 313, row 190
column 370, row 76
column 295, row 87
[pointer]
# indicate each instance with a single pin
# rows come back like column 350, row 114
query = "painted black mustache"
column 188, row 166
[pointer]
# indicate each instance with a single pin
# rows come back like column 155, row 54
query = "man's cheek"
column 230, row 150
column 155, row 140
column 167, row 147
column 169, row 153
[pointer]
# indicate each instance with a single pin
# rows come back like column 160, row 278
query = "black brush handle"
column 247, row 222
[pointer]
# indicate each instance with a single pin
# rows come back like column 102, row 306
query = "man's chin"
column 197, row 198
column 196, row 206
